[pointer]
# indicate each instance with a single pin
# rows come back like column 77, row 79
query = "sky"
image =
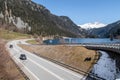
column 84, row 11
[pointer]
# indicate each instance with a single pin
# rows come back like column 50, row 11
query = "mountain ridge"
column 29, row 17
column 105, row 32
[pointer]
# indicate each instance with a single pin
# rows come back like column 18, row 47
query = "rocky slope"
column 29, row 17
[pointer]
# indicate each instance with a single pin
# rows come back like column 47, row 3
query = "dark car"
column 11, row 46
column 23, row 57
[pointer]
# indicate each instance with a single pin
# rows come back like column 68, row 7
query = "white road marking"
column 46, row 69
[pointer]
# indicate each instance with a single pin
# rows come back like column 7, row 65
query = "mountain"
column 29, row 17
column 105, row 32
column 92, row 25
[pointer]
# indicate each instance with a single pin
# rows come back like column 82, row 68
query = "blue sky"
column 84, row 11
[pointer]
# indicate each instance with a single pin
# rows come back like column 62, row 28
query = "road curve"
column 37, row 68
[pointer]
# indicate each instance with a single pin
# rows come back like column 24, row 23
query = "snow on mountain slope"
column 92, row 25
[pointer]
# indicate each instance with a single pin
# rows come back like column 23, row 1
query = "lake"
column 81, row 41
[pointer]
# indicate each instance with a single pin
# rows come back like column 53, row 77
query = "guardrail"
column 107, row 47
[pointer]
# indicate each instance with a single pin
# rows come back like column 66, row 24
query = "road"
column 37, row 68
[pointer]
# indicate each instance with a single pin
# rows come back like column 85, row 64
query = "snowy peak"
column 92, row 25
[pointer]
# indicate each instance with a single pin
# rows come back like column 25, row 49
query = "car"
column 11, row 46
column 23, row 57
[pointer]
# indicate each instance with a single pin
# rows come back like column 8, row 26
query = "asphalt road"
column 37, row 68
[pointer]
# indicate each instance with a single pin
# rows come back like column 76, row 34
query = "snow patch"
column 92, row 25
column 105, row 67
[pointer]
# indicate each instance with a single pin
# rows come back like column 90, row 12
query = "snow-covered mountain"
column 92, row 25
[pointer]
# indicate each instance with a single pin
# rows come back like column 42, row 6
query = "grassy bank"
column 8, row 35
column 32, row 42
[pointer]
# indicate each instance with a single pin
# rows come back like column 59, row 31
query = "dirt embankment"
column 72, row 56
column 8, row 69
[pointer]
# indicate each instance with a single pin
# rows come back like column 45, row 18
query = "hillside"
column 28, row 17
column 105, row 32
column 9, row 35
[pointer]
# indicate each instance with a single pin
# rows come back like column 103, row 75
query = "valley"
column 63, row 40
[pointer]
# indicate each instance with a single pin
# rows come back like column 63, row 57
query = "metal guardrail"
column 113, row 48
